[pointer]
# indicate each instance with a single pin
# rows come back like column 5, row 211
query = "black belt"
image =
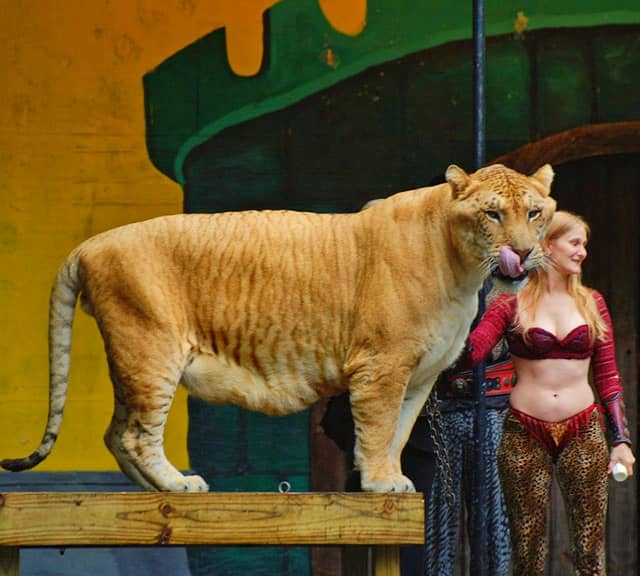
column 500, row 378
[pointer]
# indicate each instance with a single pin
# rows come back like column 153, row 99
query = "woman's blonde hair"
column 528, row 299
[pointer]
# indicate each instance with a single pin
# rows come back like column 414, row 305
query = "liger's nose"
column 523, row 254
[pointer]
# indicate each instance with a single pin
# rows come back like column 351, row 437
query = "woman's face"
column 568, row 251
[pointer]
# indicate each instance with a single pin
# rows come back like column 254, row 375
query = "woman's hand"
column 622, row 453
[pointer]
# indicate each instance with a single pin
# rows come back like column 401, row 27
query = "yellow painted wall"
column 73, row 162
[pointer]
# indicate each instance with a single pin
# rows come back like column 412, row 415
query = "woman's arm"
column 607, row 378
column 490, row 329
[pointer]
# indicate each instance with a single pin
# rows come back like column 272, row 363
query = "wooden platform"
column 93, row 519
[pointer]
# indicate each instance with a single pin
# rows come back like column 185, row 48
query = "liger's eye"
column 493, row 215
column 533, row 214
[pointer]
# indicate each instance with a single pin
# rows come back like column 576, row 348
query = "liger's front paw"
column 390, row 483
column 195, row 484
column 187, row 484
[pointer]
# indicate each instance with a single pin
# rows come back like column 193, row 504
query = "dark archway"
column 588, row 141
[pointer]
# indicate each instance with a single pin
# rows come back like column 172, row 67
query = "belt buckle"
column 459, row 387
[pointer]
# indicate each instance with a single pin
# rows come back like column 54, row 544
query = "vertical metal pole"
column 479, row 67
column 479, row 543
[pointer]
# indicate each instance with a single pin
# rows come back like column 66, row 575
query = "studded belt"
column 500, row 378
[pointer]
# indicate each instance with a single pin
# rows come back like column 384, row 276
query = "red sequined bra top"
column 539, row 344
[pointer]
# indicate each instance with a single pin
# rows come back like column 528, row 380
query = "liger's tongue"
column 509, row 262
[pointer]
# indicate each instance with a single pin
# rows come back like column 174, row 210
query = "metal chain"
column 434, row 417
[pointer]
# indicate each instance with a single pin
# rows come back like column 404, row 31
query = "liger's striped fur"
column 273, row 310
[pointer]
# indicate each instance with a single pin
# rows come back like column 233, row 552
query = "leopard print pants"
column 526, row 466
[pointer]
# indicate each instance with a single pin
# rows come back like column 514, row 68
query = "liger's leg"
column 135, row 437
column 582, row 476
column 114, row 439
column 145, row 377
column 378, row 404
column 525, row 468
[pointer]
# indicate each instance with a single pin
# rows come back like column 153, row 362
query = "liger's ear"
column 371, row 203
column 457, row 178
column 544, row 175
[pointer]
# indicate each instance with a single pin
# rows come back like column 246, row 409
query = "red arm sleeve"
column 493, row 325
column 607, row 379
column 605, row 370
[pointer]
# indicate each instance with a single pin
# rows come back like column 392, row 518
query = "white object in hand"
column 620, row 472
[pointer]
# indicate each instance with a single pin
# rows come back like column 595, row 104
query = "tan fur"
column 273, row 310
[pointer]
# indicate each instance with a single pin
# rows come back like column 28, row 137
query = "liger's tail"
column 64, row 295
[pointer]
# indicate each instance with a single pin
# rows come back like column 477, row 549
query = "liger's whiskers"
column 487, row 265
column 545, row 263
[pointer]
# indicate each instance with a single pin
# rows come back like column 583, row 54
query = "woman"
column 557, row 330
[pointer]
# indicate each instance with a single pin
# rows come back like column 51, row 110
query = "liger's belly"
column 281, row 386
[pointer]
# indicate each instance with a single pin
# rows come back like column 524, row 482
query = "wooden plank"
column 147, row 518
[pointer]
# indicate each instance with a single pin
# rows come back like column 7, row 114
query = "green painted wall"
column 195, row 94
column 399, row 124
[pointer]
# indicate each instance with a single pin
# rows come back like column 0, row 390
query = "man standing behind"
column 453, row 501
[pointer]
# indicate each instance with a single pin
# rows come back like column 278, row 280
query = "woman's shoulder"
column 505, row 299
column 597, row 296
column 601, row 306
column 504, row 303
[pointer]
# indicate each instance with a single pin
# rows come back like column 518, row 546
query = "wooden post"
column 68, row 519
column 387, row 561
column 9, row 561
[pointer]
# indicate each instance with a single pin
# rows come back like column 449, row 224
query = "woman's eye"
column 493, row 215
column 533, row 214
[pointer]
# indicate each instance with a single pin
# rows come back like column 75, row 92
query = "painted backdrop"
column 74, row 162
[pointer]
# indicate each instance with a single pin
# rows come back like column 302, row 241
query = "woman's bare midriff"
column 552, row 389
